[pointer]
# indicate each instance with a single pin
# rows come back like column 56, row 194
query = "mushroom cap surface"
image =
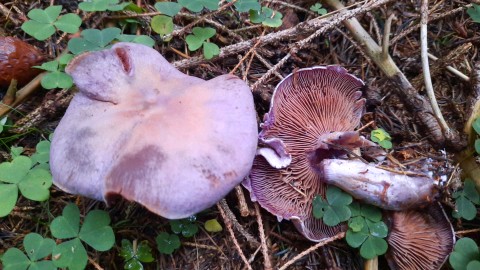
column 16, row 60
column 420, row 239
column 142, row 130
column 310, row 110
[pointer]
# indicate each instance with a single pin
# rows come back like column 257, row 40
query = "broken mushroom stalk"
column 305, row 141
column 140, row 129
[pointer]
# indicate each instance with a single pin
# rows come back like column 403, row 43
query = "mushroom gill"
column 306, row 107
column 419, row 239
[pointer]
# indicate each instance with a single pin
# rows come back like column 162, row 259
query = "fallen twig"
column 312, row 248
column 266, row 257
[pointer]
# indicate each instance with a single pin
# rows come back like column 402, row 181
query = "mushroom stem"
column 385, row 189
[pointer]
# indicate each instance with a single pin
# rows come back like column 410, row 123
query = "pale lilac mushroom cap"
column 142, row 130
column 311, row 110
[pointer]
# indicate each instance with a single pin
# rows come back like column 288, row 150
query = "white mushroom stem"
column 385, row 189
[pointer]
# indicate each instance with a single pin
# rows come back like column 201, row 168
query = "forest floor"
column 262, row 56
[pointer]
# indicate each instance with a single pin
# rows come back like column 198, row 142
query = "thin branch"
column 311, row 249
column 453, row 70
column 386, row 35
column 228, row 224
column 426, row 67
column 266, row 257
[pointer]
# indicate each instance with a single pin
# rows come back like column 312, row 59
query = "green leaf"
column 212, row 225
column 140, row 39
column 9, row 195
column 16, row 151
column 356, row 224
column 68, row 23
column 379, row 134
column 267, row 17
column 473, row 265
column 319, row 207
column 167, row 243
column 470, row 191
column 93, row 39
column 68, row 224
column 336, row 214
column 49, row 66
column 477, row 146
column 318, row 9
column 42, row 154
column 474, row 13
column 373, row 247
column 356, row 209
column 168, row 8
column 102, row 5
column 356, row 239
column 210, row 50
column 37, row 247
column 386, row 144
column 65, row 59
column 96, row 231
column 57, row 79
column 133, row 256
column 193, row 42
column 198, row 5
column 162, row 24
column 371, row 212
column 465, row 251
column 337, row 197
column 71, row 254
column 35, row 186
column 13, row 172
column 204, row 33
column 49, row 15
column 38, row 30
column 184, row 226
column 15, row 259
column 465, row 208
column 247, row 5
column 377, row 229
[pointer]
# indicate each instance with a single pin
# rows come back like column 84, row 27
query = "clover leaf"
column 246, row 5
column 44, row 23
column 267, row 17
column 167, row 243
column 42, row 155
column 465, row 254
column 140, row 39
column 381, row 137
column 199, row 5
column 199, row 38
column 212, row 225
column 102, row 5
column 18, row 175
column 93, row 40
column 474, row 13
column 16, row 151
column 168, row 8
column 335, row 208
column 369, row 238
column 162, row 25
column 95, row 231
column 465, row 200
column 55, row 78
column 36, row 248
column 187, row 227
column 135, row 254
column 318, row 9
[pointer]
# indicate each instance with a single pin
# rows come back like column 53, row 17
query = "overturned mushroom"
column 16, row 60
column 306, row 107
column 142, row 130
column 385, row 189
column 419, row 239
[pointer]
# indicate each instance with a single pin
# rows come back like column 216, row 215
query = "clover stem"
column 371, row 264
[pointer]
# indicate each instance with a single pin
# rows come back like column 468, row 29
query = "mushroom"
column 16, row 61
column 385, row 189
column 142, row 130
column 311, row 110
column 419, row 239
